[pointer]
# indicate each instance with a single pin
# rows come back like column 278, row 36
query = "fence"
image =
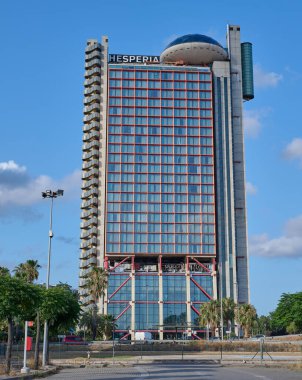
column 131, row 350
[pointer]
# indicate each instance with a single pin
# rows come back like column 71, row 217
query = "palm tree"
column 89, row 322
column 246, row 315
column 96, row 284
column 228, row 308
column 4, row 271
column 106, row 326
column 210, row 315
column 29, row 270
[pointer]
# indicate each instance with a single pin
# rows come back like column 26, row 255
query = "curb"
column 30, row 376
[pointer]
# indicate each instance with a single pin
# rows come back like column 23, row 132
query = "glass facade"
column 160, row 171
column 160, row 192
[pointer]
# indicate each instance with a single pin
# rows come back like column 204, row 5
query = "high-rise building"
column 163, row 191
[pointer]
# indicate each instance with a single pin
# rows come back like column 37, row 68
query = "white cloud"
column 251, row 123
column 293, row 151
column 288, row 245
column 19, row 189
column 250, row 188
column 11, row 166
column 264, row 79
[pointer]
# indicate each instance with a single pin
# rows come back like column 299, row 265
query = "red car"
column 73, row 339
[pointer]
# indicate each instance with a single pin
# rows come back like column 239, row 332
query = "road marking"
column 143, row 373
column 250, row 374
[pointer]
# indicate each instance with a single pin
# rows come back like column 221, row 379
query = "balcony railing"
column 89, row 213
column 92, row 201
column 94, row 153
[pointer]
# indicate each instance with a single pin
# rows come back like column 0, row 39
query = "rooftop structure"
column 194, row 49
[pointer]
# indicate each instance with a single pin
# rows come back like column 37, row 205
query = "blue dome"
column 193, row 38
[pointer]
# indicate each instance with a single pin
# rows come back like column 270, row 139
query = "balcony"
column 96, row 70
column 86, row 263
column 91, row 126
column 92, row 98
column 91, row 222
column 91, row 90
column 92, row 116
column 92, row 201
column 96, row 79
column 93, row 62
column 89, row 243
column 86, row 194
column 89, row 213
column 92, row 135
column 88, row 253
column 84, row 273
column 92, row 47
column 87, row 184
column 92, row 144
column 92, row 173
column 89, row 233
column 94, row 54
column 93, row 107
column 93, row 153
column 89, row 164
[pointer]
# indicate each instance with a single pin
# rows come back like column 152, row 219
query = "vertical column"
column 188, row 296
column 132, row 299
column 160, row 299
column 102, row 154
column 214, row 275
column 224, row 177
column 234, row 48
column 102, row 163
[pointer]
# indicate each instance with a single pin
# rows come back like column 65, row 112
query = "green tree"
column 4, row 271
column 18, row 299
column 106, row 326
column 88, row 321
column 210, row 315
column 228, row 309
column 96, row 284
column 291, row 328
column 60, row 308
column 28, row 271
column 265, row 324
column 289, row 310
column 246, row 315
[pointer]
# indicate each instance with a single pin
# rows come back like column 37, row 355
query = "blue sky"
column 41, row 76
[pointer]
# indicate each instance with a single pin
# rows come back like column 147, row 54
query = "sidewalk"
column 33, row 374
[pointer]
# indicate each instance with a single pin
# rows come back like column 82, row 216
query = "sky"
column 41, row 104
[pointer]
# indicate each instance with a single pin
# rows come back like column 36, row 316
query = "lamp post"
column 49, row 194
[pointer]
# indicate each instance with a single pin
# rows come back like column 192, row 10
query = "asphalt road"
column 185, row 371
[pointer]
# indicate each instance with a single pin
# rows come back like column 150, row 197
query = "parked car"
column 73, row 339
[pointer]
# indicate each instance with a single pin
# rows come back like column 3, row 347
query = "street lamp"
column 49, row 194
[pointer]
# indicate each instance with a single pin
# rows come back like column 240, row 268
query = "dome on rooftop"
column 194, row 49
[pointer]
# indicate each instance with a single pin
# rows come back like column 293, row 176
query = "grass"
column 296, row 366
